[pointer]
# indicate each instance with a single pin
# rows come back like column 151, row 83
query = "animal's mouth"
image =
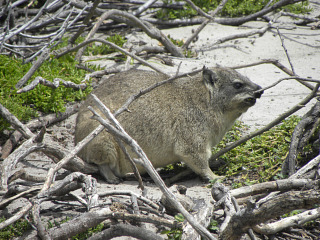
column 250, row 101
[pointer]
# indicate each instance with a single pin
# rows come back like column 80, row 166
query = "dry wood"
column 120, row 230
column 296, row 220
column 202, row 213
column 302, row 133
column 55, row 84
column 278, row 185
column 115, row 47
column 260, row 31
column 203, row 24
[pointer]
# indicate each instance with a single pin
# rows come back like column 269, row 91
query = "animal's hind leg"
column 107, row 173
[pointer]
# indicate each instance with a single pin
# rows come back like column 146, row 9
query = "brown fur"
column 178, row 121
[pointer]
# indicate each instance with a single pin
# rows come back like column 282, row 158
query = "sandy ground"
column 302, row 43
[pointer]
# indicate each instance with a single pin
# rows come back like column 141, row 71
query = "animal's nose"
column 258, row 93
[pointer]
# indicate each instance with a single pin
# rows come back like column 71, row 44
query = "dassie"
column 178, row 121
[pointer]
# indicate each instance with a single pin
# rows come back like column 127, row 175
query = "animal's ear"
column 210, row 78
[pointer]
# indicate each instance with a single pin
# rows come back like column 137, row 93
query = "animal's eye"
column 237, row 85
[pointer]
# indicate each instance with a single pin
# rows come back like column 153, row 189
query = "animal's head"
column 230, row 91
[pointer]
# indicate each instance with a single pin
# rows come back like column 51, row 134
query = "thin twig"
column 286, row 51
column 113, row 46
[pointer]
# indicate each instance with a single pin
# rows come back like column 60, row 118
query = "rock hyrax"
column 178, row 121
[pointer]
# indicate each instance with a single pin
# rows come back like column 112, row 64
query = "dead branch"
column 275, row 207
column 147, row 164
column 130, row 193
column 260, row 31
column 85, row 21
column 20, row 153
column 202, row 212
column 34, row 124
column 205, row 23
column 43, row 57
column 144, row 7
column 4, row 37
column 296, row 220
column 311, row 164
column 305, row 19
column 54, row 84
column 120, row 230
column 113, row 46
column 15, row 122
column 286, row 52
column 278, row 185
column 16, row 217
column 302, row 133
column 92, row 219
column 224, row 21
column 150, row 30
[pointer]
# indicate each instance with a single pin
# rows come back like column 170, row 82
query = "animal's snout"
column 258, row 93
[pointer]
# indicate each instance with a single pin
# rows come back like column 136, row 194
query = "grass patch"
column 260, row 158
column 26, row 105
column 233, row 8
column 103, row 49
column 14, row 230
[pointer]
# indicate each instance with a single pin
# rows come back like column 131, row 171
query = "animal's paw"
column 213, row 178
column 114, row 180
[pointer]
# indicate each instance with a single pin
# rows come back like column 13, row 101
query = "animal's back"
column 178, row 121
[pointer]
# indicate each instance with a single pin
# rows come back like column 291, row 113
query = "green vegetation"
column 25, row 106
column 175, row 233
column 14, row 230
column 102, row 49
column 213, row 226
column 260, row 158
column 233, row 8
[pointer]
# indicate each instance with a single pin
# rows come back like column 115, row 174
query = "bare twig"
column 121, row 229
column 4, row 38
column 85, row 21
column 114, row 46
column 260, row 31
column 203, row 24
column 43, row 57
column 55, row 84
column 144, row 7
column 286, row 51
column 134, row 21
column 296, row 220
column 15, row 122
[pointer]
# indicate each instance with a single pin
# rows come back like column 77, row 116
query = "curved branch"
column 111, row 45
